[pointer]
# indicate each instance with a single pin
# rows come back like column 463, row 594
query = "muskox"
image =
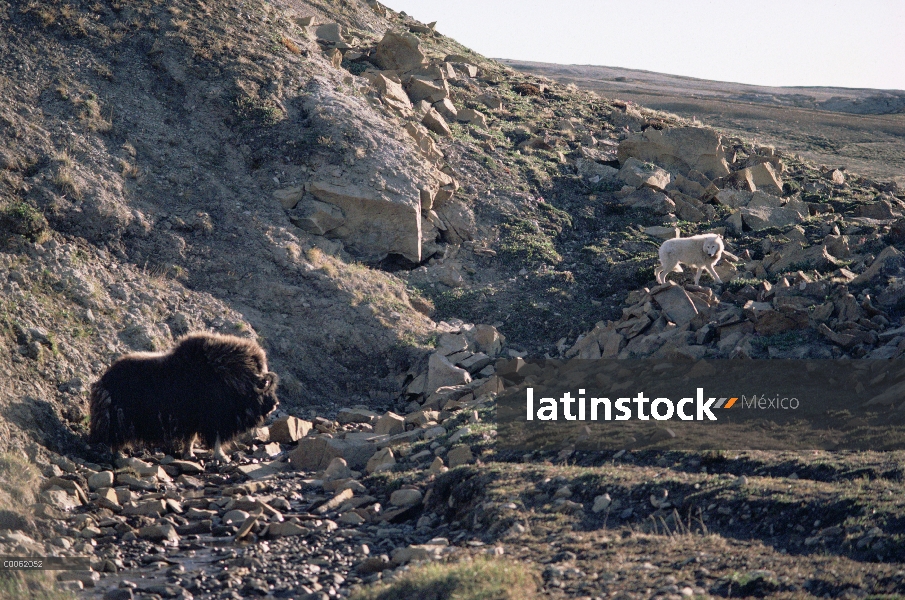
column 209, row 386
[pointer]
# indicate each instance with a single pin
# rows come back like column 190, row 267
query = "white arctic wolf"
column 700, row 251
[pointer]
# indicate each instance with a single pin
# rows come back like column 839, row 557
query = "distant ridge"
column 616, row 80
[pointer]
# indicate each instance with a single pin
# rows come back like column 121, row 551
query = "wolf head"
column 713, row 246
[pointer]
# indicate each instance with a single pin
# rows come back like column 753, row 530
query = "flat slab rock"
column 376, row 223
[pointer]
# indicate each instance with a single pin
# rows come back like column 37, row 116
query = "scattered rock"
column 601, row 503
column 679, row 148
column 329, row 32
column 442, row 373
column 287, row 430
column 392, row 93
column 165, row 533
column 390, row 424
column 474, row 117
column 102, row 479
column 889, row 262
column 405, row 497
column 383, row 460
column 317, row 217
column 766, row 178
column 314, row 453
column 595, row 172
column 419, row 88
column 337, row 469
column 764, row 210
column 639, row 174
column 286, row 529
column 417, row 552
column 648, row 199
column 346, row 416
column 289, row 197
column 676, row 304
column 399, row 52
column 436, row 123
column 459, row 455
column 664, row 233
column 446, row 109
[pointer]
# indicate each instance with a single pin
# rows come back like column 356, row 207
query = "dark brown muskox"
column 207, row 385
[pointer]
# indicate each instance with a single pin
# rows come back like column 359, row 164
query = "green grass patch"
column 21, row 218
column 782, row 341
column 251, row 112
column 461, row 302
column 739, row 282
column 478, row 579
column 531, row 241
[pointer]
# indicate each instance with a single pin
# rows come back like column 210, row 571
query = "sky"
column 856, row 44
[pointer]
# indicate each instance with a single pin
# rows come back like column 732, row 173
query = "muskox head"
column 266, row 393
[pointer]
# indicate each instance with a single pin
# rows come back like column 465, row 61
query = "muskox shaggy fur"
column 209, row 386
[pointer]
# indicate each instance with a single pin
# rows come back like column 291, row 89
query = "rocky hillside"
column 390, row 214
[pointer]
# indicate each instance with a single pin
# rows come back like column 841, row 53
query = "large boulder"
column 639, row 174
column 795, row 255
column 678, row 149
column 376, row 224
column 424, row 140
column 593, row 171
column 442, row 373
column 446, row 108
column 764, row 210
column 473, row 117
column 888, row 263
column 436, row 123
column 329, row 32
column 881, row 210
column 399, row 52
column 316, row 217
column 733, row 198
column 392, row 93
column 676, row 304
column 766, row 178
column 459, row 220
column 316, row 453
column 419, row 88
column 650, row 200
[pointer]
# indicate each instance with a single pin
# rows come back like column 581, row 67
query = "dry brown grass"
column 128, row 170
column 19, row 480
column 291, row 46
column 95, row 121
column 322, row 261
column 33, row 585
column 66, row 183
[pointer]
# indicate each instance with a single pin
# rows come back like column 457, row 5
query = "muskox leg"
column 218, row 451
column 189, row 451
